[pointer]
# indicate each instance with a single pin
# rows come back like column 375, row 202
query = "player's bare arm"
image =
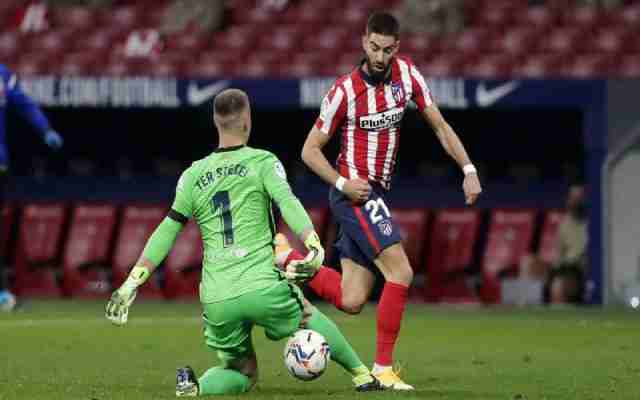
column 357, row 189
column 454, row 147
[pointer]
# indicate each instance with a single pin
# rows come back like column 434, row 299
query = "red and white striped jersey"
column 369, row 116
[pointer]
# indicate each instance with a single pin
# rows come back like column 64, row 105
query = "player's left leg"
column 394, row 265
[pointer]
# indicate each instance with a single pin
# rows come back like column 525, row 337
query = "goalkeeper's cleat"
column 282, row 250
column 7, row 301
column 390, row 379
column 186, row 383
column 367, row 383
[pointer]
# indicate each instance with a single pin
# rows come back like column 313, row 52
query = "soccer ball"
column 306, row 355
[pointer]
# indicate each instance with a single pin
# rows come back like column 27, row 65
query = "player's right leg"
column 348, row 292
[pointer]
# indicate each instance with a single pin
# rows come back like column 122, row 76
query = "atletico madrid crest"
column 397, row 91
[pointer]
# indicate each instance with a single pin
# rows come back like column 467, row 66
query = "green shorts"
column 228, row 324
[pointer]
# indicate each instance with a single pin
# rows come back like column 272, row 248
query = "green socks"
column 341, row 350
column 218, row 380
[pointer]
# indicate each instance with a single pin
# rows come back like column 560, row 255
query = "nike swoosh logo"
column 487, row 97
column 198, row 95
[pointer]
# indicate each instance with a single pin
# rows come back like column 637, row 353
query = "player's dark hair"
column 230, row 102
column 383, row 23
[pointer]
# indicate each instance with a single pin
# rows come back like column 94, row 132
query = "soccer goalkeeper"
column 229, row 194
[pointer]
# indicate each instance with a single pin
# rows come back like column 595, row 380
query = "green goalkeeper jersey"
column 229, row 194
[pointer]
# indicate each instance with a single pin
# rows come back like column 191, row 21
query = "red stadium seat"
column 284, row 38
column 443, row 65
column 562, row 40
column 538, row 17
column 7, row 217
column 9, row 44
column 39, row 238
column 489, row 66
column 236, row 38
column 509, row 238
column 629, row 67
column 413, row 230
column 538, row 65
column 319, row 218
column 587, row 65
column 547, row 250
column 450, row 251
column 515, row 41
column 86, row 260
column 471, row 40
column 608, row 41
column 138, row 223
column 183, row 265
column 78, row 18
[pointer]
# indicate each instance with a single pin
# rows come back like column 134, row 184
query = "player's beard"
column 377, row 76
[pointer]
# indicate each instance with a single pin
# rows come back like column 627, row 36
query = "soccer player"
column 229, row 194
column 367, row 106
column 12, row 97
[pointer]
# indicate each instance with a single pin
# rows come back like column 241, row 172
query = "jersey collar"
column 230, row 148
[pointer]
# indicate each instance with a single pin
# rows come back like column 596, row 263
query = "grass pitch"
column 67, row 350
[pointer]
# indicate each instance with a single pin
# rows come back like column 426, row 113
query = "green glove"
column 117, row 310
column 303, row 270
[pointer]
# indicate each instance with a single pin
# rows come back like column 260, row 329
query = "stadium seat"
column 319, row 218
column 489, row 66
column 8, row 213
column 37, row 268
column 450, row 252
column 183, row 266
column 413, row 230
column 515, row 41
column 509, row 238
column 78, row 18
column 629, row 67
column 547, row 250
column 9, row 44
column 538, row 65
column 86, row 263
column 137, row 224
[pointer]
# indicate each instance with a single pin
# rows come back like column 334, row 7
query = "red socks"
column 327, row 283
column 390, row 310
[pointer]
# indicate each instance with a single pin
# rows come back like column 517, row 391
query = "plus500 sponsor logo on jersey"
column 383, row 120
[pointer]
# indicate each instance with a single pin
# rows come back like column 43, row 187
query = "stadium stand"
column 500, row 39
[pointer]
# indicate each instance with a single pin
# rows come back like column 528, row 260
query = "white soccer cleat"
column 389, row 379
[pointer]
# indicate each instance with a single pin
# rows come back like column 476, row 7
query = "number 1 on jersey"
column 221, row 200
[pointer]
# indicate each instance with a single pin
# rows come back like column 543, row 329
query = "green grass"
column 66, row 350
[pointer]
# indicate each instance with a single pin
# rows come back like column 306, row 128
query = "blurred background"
column 542, row 93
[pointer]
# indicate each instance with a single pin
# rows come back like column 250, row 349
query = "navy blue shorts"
column 365, row 229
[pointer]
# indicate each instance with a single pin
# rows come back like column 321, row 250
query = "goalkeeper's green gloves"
column 303, row 270
column 117, row 310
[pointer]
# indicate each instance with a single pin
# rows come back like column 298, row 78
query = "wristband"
column 340, row 183
column 469, row 169
column 137, row 277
